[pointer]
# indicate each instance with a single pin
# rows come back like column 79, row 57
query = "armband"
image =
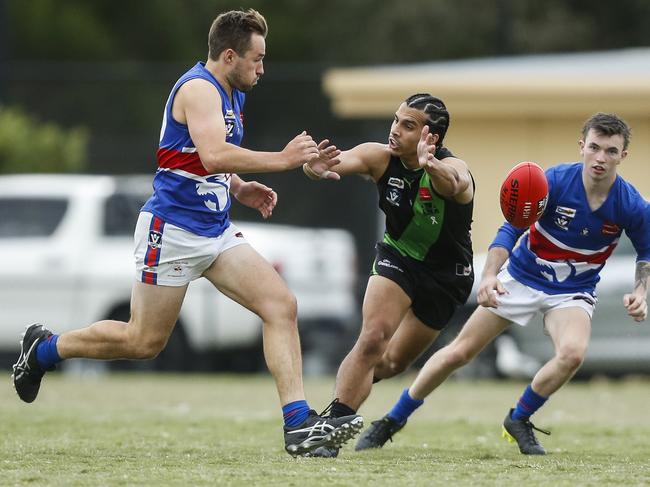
column 310, row 173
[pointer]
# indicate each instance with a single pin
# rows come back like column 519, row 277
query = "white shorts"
column 521, row 303
column 170, row 256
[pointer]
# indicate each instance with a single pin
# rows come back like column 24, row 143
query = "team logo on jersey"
column 394, row 196
column 214, row 191
column 562, row 222
column 610, row 228
column 463, row 270
column 155, row 239
column 397, row 182
column 563, row 216
column 564, row 211
column 178, row 268
column 425, row 194
column 389, row 264
column 584, row 232
column 230, row 120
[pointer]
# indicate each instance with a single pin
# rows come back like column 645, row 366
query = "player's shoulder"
column 374, row 148
column 198, row 83
column 198, row 89
column 372, row 153
column 561, row 175
column 565, row 168
column 373, row 157
column 628, row 193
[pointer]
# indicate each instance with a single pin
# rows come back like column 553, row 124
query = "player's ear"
column 228, row 56
column 623, row 154
column 581, row 144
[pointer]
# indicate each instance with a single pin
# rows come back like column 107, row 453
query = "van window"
column 121, row 212
column 30, row 217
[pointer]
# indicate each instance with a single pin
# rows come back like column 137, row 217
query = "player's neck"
column 411, row 164
column 598, row 186
column 216, row 70
column 597, row 190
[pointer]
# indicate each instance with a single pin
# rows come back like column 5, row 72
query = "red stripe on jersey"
column 149, row 277
column 546, row 249
column 156, row 224
column 151, row 259
column 172, row 159
column 154, row 242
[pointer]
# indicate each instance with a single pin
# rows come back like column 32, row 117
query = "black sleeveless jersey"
column 423, row 225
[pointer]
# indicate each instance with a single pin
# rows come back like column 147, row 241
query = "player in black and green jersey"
column 423, row 269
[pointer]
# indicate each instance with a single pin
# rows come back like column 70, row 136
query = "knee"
column 373, row 341
column 571, row 356
column 281, row 307
column 146, row 347
column 392, row 366
column 456, row 355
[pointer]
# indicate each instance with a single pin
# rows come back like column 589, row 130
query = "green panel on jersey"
column 425, row 225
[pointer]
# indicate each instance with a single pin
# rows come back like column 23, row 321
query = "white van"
column 66, row 243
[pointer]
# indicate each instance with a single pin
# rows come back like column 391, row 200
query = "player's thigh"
column 569, row 327
column 155, row 309
column 384, row 305
column 410, row 340
column 481, row 328
column 245, row 276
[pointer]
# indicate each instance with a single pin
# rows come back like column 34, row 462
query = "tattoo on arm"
column 641, row 275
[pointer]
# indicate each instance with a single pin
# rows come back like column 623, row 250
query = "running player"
column 554, row 271
column 423, row 269
column 184, row 233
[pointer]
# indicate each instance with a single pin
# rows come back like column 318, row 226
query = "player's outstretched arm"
column 198, row 104
column 369, row 159
column 636, row 302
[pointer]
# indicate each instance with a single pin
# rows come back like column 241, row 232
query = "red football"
column 524, row 194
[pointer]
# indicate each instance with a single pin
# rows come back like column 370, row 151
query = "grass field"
column 226, row 430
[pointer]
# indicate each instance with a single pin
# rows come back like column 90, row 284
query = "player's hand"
column 426, row 150
column 256, row 195
column 489, row 291
column 328, row 157
column 300, row 150
column 637, row 306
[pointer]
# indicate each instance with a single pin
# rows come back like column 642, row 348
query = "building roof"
column 532, row 85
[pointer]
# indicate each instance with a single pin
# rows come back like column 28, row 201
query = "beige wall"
column 499, row 120
column 492, row 147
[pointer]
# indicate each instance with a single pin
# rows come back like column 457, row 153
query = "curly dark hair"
column 438, row 116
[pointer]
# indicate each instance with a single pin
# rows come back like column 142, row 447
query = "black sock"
column 339, row 409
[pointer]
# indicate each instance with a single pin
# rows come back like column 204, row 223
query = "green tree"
column 27, row 145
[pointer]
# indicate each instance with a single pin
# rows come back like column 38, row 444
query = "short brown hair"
column 233, row 29
column 608, row 124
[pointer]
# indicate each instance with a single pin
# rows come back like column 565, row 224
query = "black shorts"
column 435, row 294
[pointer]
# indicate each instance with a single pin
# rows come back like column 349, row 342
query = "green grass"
column 226, row 430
